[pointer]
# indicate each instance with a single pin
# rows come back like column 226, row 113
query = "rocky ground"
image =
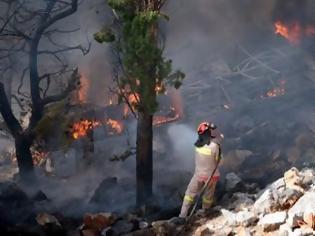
column 285, row 207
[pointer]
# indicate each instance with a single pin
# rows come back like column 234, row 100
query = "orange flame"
column 159, row 119
column 39, row 157
column 293, row 32
column 81, row 128
column 277, row 91
column 115, row 126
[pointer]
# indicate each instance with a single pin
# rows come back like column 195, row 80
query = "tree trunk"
column 24, row 159
column 144, row 157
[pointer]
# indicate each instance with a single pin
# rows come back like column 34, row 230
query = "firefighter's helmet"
column 205, row 127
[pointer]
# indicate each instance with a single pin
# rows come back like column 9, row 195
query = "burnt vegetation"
column 99, row 103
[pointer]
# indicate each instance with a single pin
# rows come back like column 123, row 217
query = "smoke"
column 202, row 38
column 182, row 142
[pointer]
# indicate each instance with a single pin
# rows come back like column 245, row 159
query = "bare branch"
column 7, row 114
column 78, row 47
column 72, row 84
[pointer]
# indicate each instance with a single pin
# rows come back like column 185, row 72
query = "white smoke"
column 182, row 141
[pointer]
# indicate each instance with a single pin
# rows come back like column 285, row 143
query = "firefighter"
column 207, row 156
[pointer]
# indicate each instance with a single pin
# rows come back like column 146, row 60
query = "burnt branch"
column 72, row 85
column 7, row 113
column 67, row 49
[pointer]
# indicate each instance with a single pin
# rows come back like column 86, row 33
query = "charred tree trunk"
column 23, row 142
column 24, row 158
column 144, row 157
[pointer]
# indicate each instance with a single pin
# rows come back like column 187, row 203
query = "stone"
column 163, row 227
column 98, row 221
column 143, row 224
column 272, row 221
column 309, row 218
column 240, row 201
column 103, row 192
column 232, row 182
column 305, row 204
column 15, row 205
column 284, row 230
column 307, row 231
column 268, row 198
column 293, row 179
column 288, row 198
column 45, row 218
column 11, row 192
column 297, row 232
column 122, row 227
column 142, row 232
column 244, row 232
column 265, row 202
column 89, row 232
column 308, row 177
column 243, row 218
column 206, row 232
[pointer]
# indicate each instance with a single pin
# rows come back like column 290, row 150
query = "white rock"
column 240, row 201
column 308, row 176
column 269, row 197
column 284, row 230
column 305, row 203
column 244, row 218
column 297, row 232
column 229, row 216
column 271, row 222
column 265, row 202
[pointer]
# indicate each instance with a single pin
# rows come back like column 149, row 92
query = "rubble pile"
column 286, row 207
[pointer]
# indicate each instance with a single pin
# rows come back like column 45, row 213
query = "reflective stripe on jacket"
column 206, row 160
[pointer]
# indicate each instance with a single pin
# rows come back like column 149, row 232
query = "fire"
column 39, row 157
column 115, row 126
column 159, row 119
column 81, row 128
column 293, row 32
column 277, row 91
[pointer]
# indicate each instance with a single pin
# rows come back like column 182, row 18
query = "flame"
column 115, row 126
column 293, row 32
column 39, row 157
column 84, row 88
column 81, row 128
column 277, row 91
column 159, row 119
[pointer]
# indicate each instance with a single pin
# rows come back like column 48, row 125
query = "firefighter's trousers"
column 195, row 186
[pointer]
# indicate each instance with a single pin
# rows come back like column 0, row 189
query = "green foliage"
column 46, row 125
column 105, row 35
column 144, row 66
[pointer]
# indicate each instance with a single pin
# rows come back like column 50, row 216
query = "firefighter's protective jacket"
column 206, row 158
